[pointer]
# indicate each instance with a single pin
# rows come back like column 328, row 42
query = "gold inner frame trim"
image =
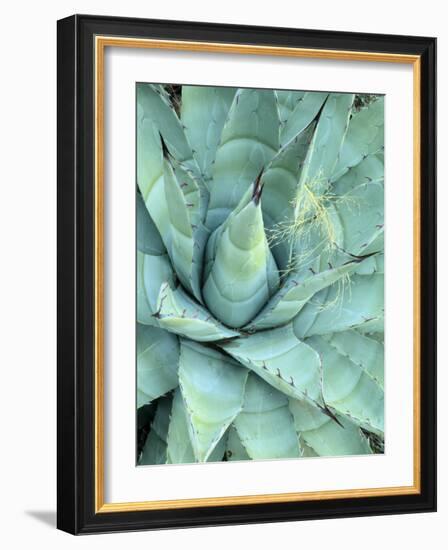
column 101, row 42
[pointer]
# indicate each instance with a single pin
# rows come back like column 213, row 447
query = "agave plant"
column 259, row 274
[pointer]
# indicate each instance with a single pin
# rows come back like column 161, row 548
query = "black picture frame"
column 76, row 286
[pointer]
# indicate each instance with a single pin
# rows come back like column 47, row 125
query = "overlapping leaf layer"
column 260, row 274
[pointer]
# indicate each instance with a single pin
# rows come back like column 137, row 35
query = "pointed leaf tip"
column 212, row 386
column 258, row 188
column 165, row 151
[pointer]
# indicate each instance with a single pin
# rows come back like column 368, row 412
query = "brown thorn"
column 258, row 188
column 165, row 150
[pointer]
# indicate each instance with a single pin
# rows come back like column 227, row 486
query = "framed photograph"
column 246, row 274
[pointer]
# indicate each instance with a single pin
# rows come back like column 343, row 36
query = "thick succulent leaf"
column 361, row 214
column 156, row 116
column 148, row 237
column 154, row 450
column 142, row 399
column 243, row 274
column 149, row 153
column 348, row 389
column 179, row 218
column 365, row 136
column 157, row 113
column 377, row 336
column 220, row 450
column 305, row 450
column 337, row 308
column 179, row 447
column 265, row 426
column 144, row 310
column 203, row 113
column 156, row 270
column 369, row 170
column 318, row 243
column 372, row 264
column 157, row 362
column 235, row 449
column 346, row 233
column 363, row 351
column 152, row 271
column 305, row 111
column 210, row 250
column 307, row 416
column 324, row 435
column 186, row 208
column 163, row 91
column 325, row 146
column 287, row 101
column 279, row 190
column 319, row 240
column 178, row 313
column 372, row 326
column 153, row 265
column 212, row 243
column 150, row 172
column 212, row 387
column 333, row 439
column 157, row 266
column 294, row 294
column 280, row 358
column 248, row 142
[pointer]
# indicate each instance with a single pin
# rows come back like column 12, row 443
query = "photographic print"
column 223, row 279
column 260, row 274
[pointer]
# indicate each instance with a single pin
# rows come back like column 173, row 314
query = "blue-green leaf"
column 348, row 389
column 152, row 271
column 243, row 274
column 178, row 313
column 186, row 207
column 324, row 435
column 154, row 450
column 280, row 358
column 265, row 426
column 369, row 170
column 235, row 449
column 212, row 387
column 280, row 180
column 361, row 214
column 305, row 111
column 156, row 116
column 148, row 237
column 250, row 138
column 287, row 101
column 157, row 362
column 372, row 264
column 363, row 351
column 294, row 294
column 179, row 447
column 365, row 136
column 335, row 309
column 328, row 138
column 204, row 111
